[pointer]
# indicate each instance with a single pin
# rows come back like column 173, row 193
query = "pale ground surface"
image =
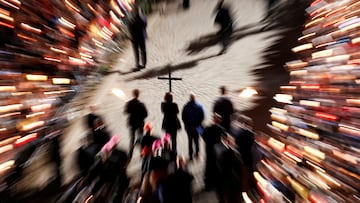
column 169, row 36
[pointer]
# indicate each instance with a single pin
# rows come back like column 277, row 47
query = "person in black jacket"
column 137, row 28
column 211, row 137
column 137, row 113
column 171, row 123
column 224, row 107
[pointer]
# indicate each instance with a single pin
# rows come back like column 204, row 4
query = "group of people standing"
column 228, row 161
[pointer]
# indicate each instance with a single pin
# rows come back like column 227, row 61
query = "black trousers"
column 139, row 49
column 193, row 137
column 133, row 131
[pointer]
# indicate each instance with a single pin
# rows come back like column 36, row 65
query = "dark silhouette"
column 224, row 107
column 224, row 19
column 170, row 123
column 177, row 186
column 229, row 164
column 193, row 116
column 211, row 137
column 92, row 116
column 137, row 113
column 186, row 4
column 137, row 28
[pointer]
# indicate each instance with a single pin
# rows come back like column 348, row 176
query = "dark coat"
column 137, row 113
column 224, row 107
column 192, row 114
column 137, row 28
column 170, row 120
column 177, row 187
column 211, row 137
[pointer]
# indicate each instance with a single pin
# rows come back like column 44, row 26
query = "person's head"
column 93, row 108
column 192, row 96
column 136, row 93
column 148, row 128
column 223, row 90
column 168, row 97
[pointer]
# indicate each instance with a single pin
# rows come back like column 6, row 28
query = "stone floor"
column 178, row 40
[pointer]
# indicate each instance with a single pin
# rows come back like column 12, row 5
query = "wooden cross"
column 169, row 77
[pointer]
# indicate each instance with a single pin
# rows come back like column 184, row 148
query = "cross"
column 169, row 78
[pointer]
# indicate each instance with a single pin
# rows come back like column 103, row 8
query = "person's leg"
column 135, row 45
column 173, row 135
column 132, row 140
column 190, row 141
column 196, row 141
column 143, row 52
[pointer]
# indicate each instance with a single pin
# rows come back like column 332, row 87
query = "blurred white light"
column 248, row 92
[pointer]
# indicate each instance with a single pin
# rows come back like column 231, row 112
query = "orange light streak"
column 306, row 36
column 35, row 114
column 52, row 59
column 6, row 165
column 6, row 148
column 32, row 125
column 30, row 28
column 9, row 4
column 11, row 107
column 27, row 38
column 315, row 2
column 5, row 17
column 9, row 140
column 7, row 88
column 346, row 157
column 70, row 4
column 276, row 144
column 318, row 20
column 338, row 10
column 302, row 47
column 10, row 114
column 5, row 12
column 58, row 50
column 32, row 77
column 40, row 107
column 310, row 86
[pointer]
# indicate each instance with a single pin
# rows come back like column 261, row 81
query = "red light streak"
column 7, row 25
column 315, row 2
column 326, row 116
column 26, row 139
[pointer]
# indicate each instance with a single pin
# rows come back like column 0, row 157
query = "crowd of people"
column 164, row 174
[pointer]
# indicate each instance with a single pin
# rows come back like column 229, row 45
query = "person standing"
column 137, row 113
column 211, row 137
column 224, row 107
column 186, row 4
column 224, row 19
column 230, row 166
column 170, row 122
column 137, row 28
column 193, row 116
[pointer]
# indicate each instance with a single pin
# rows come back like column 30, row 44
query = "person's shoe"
column 142, row 67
